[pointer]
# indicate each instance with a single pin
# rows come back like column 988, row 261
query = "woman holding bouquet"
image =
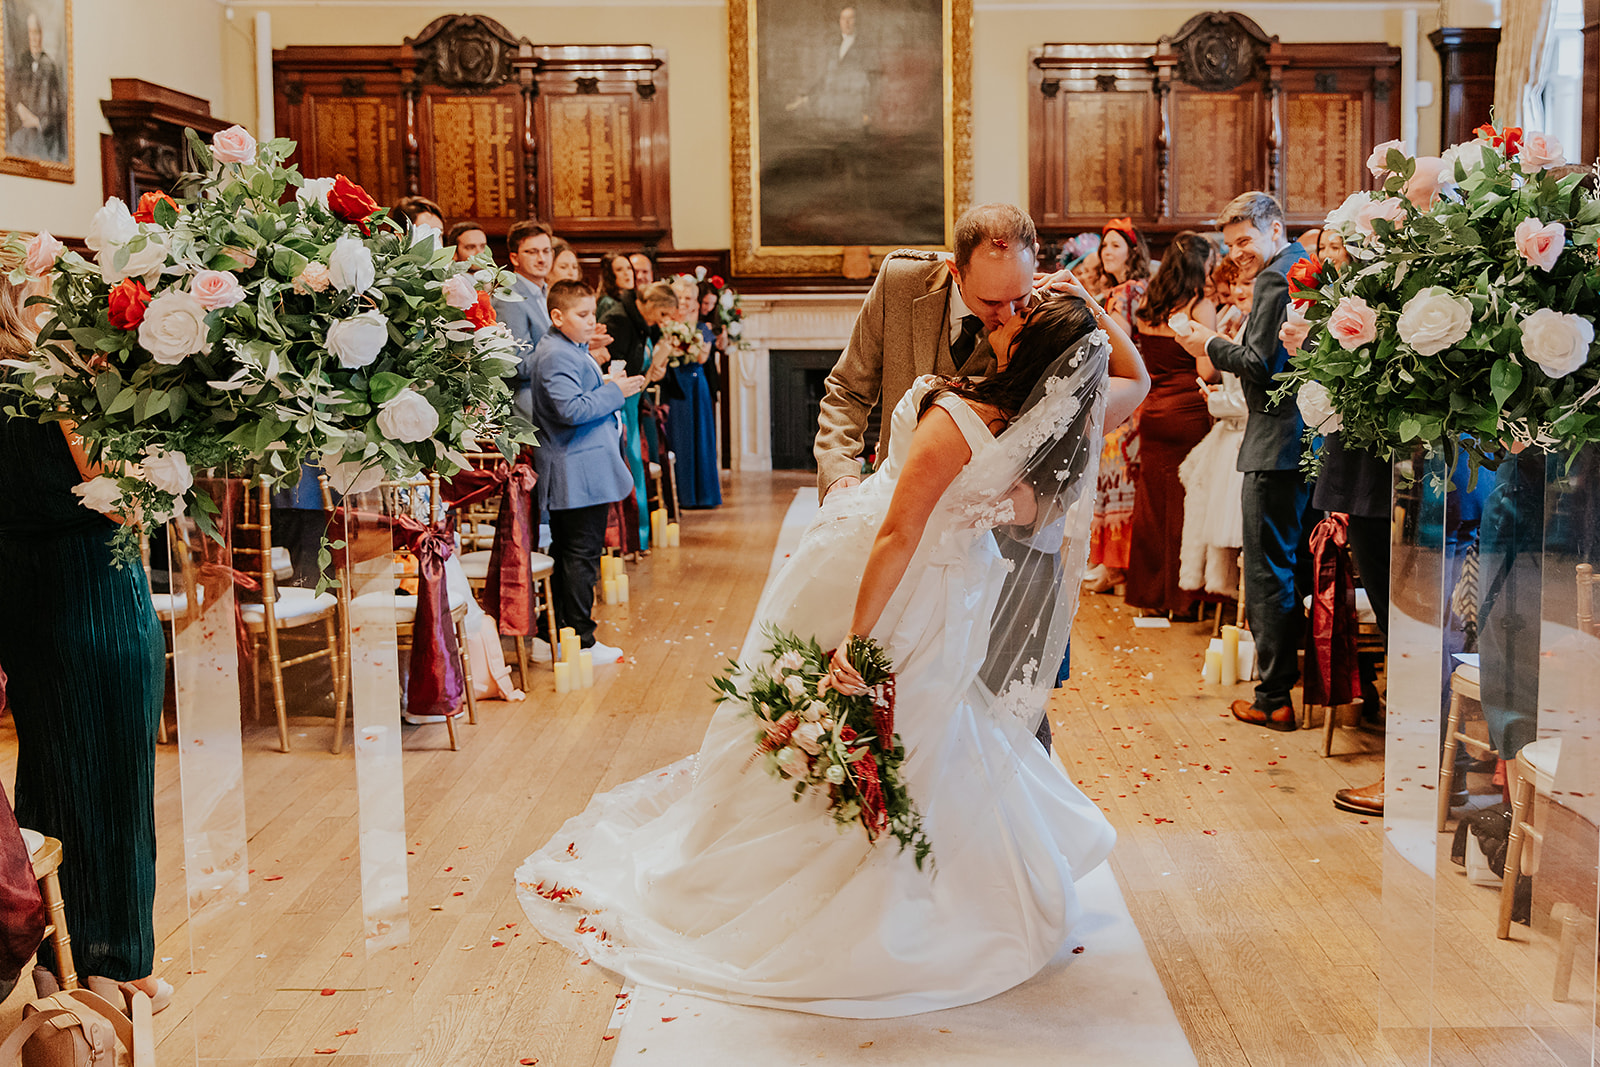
column 691, row 420
column 731, row 883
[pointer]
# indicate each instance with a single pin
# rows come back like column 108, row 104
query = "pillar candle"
column 1230, row 655
column 672, row 535
column 658, row 526
column 610, row 587
column 1213, row 669
column 570, row 647
column 563, row 677
column 567, row 631
column 621, row 581
column 585, row 669
column 605, row 568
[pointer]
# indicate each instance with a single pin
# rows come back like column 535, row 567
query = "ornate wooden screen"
column 1168, row 133
column 493, row 127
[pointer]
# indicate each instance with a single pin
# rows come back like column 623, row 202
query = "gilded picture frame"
column 36, row 138
column 850, row 128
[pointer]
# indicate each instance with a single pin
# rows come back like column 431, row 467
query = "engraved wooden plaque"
column 1325, row 158
column 1108, row 153
column 359, row 136
column 1213, row 146
column 591, row 145
column 474, row 156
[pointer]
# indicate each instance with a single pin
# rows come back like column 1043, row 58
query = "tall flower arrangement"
column 253, row 331
column 1466, row 317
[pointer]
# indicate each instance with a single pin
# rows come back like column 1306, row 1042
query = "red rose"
column 146, row 211
column 717, row 281
column 481, row 314
column 128, row 302
column 1303, row 278
column 350, row 203
column 1508, row 140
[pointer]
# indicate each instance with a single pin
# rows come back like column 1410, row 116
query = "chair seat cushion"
column 33, row 839
column 476, row 565
column 294, row 607
column 405, row 607
column 1468, row 672
column 1544, row 756
column 282, row 565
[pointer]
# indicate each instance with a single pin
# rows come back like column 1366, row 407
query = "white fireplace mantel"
column 816, row 321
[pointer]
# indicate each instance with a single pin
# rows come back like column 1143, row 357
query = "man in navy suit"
column 581, row 469
column 1276, row 496
column 528, row 319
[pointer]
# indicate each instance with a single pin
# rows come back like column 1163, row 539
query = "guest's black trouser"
column 1274, row 515
column 577, row 541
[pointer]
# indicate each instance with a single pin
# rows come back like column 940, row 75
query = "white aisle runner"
column 1103, row 1006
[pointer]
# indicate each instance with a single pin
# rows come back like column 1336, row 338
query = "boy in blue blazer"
column 581, row 469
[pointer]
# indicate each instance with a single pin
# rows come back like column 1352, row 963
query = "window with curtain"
column 1557, row 102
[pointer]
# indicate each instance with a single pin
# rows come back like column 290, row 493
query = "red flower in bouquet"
column 1507, row 139
column 351, row 203
column 128, row 301
column 146, row 209
column 716, row 280
column 1303, row 282
column 481, row 313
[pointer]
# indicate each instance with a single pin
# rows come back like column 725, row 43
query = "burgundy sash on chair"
column 508, row 588
column 435, row 685
column 1332, row 674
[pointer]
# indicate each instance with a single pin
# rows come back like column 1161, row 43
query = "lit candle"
column 672, row 535
column 621, row 581
column 563, row 677
column 570, row 647
column 1230, row 655
column 585, row 669
column 1212, row 673
column 610, row 587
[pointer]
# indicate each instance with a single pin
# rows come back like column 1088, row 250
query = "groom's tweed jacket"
column 902, row 333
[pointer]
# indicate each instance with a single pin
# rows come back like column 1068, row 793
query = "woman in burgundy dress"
column 1172, row 420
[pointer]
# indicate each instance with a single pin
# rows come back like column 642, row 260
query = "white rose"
column 1472, row 155
column 809, row 737
column 174, row 327
column 350, row 265
column 422, row 233
column 1434, row 319
column 789, row 661
column 111, row 226
column 1342, row 219
column 408, row 417
column 314, row 191
column 356, row 341
column 1378, row 161
column 793, row 762
column 834, row 774
column 726, row 300
column 815, row 711
column 1558, row 343
column 167, row 471
column 101, row 494
column 1316, row 408
column 796, row 686
column 459, row 291
column 736, row 330
column 349, row 477
column 144, row 264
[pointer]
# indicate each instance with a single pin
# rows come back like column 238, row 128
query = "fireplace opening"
column 799, row 379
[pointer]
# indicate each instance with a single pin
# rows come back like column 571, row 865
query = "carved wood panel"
column 472, row 148
column 1214, row 150
column 1110, row 140
column 359, row 137
column 1326, row 160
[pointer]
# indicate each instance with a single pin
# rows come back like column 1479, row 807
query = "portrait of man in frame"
column 37, row 88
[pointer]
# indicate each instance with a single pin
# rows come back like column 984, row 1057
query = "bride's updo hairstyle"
column 1052, row 328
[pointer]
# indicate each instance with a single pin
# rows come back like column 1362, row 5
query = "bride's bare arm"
column 1127, row 380
column 937, row 454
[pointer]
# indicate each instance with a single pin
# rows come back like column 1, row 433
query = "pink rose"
column 217, row 289
column 1353, row 323
column 42, row 253
column 233, row 145
column 1540, row 245
column 314, row 279
column 1388, row 208
column 1378, row 162
column 1428, row 179
column 459, row 291
column 1540, row 150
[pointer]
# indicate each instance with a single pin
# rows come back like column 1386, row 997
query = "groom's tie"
column 961, row 348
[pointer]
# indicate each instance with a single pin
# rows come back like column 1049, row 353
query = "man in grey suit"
column 528, row 319
column 1276, row 495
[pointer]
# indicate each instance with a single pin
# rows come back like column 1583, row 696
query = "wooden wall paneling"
column 1590, row 147
column 1217, row 149
column 145, row 149
column 471, row 155
column 346, row 109
column 1466, row 62
column 1339, row 101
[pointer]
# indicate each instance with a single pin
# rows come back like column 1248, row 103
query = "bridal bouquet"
column 683, row 343
column 728, row 311
column 1466, row 316
column 251, row 331
column 843, row 746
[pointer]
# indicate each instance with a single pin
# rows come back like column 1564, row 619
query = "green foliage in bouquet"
column 266, row 322
column 844, row 746
column 1465, row 318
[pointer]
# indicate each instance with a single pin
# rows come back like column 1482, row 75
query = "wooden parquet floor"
column 1259, row 903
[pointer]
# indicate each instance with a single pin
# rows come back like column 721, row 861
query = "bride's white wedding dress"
column 708, row 876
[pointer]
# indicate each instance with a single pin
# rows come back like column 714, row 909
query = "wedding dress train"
column 708, row 876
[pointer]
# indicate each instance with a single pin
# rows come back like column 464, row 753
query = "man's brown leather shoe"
column 1365, row 800
column 1280, row 719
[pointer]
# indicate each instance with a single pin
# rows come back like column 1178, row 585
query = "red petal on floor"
column 273, row 878
column 668, row 1018
column 607, row 1037
column 1213, row 833
column 346, row 1033
column 329, row 992
column 527, row 1061
column 1077, row 950
column 324, row 1051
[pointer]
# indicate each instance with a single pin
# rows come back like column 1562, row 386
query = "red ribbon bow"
column 508, row 593
column 1332, row 674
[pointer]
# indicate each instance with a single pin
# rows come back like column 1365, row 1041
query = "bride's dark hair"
column 1052, row 328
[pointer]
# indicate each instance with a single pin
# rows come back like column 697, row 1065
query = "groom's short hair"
column 1002, row 227
column 1254, row 207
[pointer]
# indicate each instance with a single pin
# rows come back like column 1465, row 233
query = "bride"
column 963, row 555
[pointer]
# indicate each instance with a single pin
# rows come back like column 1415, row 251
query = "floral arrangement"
column 683, row 343
column 728, row 310
column 1466, row 316
column 251, row 331
column 821, row 739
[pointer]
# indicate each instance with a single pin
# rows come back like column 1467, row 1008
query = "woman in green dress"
column 84, row 657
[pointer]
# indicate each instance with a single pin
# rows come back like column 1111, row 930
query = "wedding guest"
column 691, row 421
column 644, row 269
column 1276, row 496
column 580, row 472
column 616, row 278
column 1330, row 249
column 420, row 211
column 1310, row 239
column 1172, row 421
column 85, row 662
column 634, row 326
column 564, row 265
column 530, row 247
column 468, row 238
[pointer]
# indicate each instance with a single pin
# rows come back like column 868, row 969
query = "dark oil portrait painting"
column 38, row 88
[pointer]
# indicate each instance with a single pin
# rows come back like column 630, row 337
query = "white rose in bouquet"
column 100, row 494
column 1316, row 408
column 348, row 477
column 145, row 264
column 111, row 226
column 1378, row 161
column 809, row 737
column 314, row 191
column 789, row 661
column 357, row 340
column 350, row 265
column 1434, row 319
column 408, row 418
column 1342, row 219
column 1558, row 343
column 815, row 711
column 1471, row 155
column 794, row 763
column 460, row 292
column 795, row 685
column 174, row 327
column 167, row 471
column 726, row 300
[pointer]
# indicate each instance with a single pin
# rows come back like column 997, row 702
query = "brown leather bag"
column 80, row 1029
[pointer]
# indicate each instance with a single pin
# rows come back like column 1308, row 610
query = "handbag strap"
column 144, row 1031
column 106, row 1010
column 11, row 1049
